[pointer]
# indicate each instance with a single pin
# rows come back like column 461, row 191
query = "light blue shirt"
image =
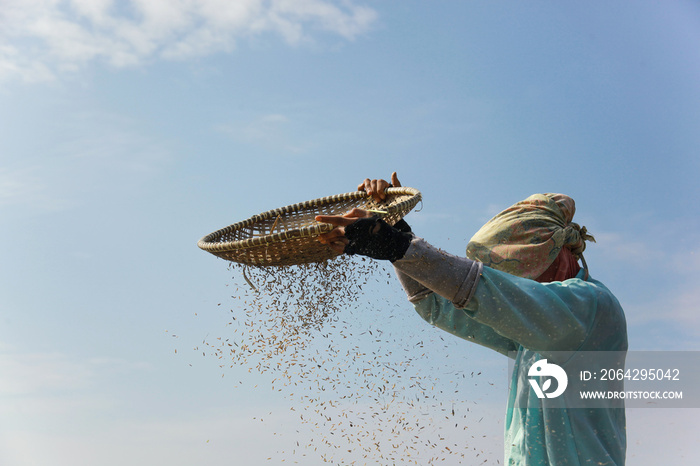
column 528, row 320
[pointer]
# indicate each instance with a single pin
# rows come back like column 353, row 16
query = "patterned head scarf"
column 524, row 239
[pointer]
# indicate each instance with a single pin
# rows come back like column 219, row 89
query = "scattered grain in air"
column 363, row 395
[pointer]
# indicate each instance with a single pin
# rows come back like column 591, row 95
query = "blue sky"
column 128, row 130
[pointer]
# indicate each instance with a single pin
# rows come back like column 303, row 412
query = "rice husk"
column 358, row 371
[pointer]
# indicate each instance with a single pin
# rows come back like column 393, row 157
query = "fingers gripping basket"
column 288, row 235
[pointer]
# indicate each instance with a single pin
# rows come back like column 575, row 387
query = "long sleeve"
column 541, row 317
column 442, row 314
column 438, row 284
column 414, row 290
column 452, row 277
column 496, row 309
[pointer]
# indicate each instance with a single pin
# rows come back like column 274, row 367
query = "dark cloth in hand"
column 373, row 237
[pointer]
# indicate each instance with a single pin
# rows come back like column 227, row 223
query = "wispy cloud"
column 44, row 374
column 658, row 277
column 40, row 39
column 276, row 132
column 619, row 247
column 675, row 309
column 18, row 185
column 29, row 374
column 93, row 152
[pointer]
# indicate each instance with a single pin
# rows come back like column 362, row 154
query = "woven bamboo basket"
column 288, row 235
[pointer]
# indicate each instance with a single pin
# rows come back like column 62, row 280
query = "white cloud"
column 687, row 305
column 181, row 438
column 676, row 307
column 40, row 39
column 660, row 276
column 622, row 248
column 93, row 152
column 29, row 185
column 274, row 132
column 32, row 373
column 17, row 185
column 113, row 144
column 661, row 436
column 39, row 374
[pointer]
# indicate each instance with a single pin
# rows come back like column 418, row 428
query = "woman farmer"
column 521, row 292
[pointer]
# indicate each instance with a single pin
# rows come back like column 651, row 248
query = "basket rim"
column 207, row 244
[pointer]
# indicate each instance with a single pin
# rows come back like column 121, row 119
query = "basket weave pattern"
column 287, row 236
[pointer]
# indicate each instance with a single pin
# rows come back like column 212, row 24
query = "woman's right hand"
column 376, row 188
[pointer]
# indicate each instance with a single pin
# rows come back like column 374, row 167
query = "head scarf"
column 526, row 238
